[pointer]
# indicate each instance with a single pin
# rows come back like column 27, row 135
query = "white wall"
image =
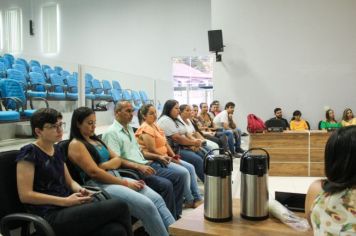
column 130, row 36
column 286, row 53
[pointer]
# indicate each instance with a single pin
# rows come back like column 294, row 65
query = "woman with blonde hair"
column 348, row 118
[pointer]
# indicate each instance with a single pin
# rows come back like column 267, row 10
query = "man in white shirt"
column 225, row 121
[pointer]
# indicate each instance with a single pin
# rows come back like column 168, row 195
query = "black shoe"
column 236, row 155
column 240, row 150
column 244, row 134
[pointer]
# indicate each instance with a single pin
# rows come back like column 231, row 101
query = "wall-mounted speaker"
column 215, row 41
column 31, row 28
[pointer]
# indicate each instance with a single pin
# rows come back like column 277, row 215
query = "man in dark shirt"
column 278, row 116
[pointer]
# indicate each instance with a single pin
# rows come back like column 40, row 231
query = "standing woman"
column 152, row 139
column 348, row 118
column 330, row 204
column 175, row 132
column 330, row 121
column 47, row 189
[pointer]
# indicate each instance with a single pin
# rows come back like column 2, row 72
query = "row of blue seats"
column 24, row 80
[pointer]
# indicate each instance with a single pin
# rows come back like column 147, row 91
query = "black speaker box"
column 31, row 28
column 215, row 41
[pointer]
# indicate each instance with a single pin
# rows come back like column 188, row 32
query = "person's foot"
column 237, row 155
column 188, row 205
column 198, row 203
column 239, row 150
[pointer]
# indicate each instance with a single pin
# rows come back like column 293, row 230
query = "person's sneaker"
column 198, row 203
column 189, row 205
column 244, row 134
column 240, row 150
column 237, row 155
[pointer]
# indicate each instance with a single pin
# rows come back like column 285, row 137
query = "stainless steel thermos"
column 217, row 192
column 254, row 185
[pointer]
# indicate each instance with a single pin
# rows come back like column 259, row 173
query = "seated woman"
column 330, row 122
column 98, row 166
column 330, row 205
column 46, row 187
column 152, row 139
column 185, row 118
column 175, row 132
column 297, row 123
column 348, row 118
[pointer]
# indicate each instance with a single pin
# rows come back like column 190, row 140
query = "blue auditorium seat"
column 126, row 95
column 33, row 63
column 13, row 89
column 106, row 86
column 2, row 70
column 72, row 89
column 116, row 95
column 136, row 98
column 38, row 85
column 57, row 89
column 37, row 69
column 99, row 92
column 18, row 76
column 145, row 98
column 22, row 68
column 23, row 62
column 116, row 85
column 10, row 59
column 58, row 69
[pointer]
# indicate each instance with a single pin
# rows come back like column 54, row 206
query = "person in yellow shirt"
column 348, row 118
column 297, row 123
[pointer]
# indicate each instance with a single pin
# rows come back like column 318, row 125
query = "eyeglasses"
column 59, row 126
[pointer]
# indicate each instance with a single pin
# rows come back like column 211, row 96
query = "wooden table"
column 194, row 224
column 293, row 153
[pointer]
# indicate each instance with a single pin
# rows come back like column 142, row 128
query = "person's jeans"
column 177, row 175
column 230, row 139
column 194, row 159
column 146, row 205
column 191, row 194
column 105, row 218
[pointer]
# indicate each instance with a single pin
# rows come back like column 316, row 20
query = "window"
column 192, row 79
column 50, row 29
column 13, row 30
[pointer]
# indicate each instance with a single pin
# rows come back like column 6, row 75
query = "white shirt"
column 221, row 118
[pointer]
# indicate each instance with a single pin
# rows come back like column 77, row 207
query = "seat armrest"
column 130, row 173
column 38, row 221
column 100, row 197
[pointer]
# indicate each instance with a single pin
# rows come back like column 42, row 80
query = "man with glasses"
column 165, row 180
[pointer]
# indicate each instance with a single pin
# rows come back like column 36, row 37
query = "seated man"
column 225, row 120
column 278, row 116
column 121, row 139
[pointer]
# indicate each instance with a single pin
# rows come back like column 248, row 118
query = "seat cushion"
column 9, row 116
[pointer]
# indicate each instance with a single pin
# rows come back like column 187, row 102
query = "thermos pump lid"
column 218, row 165
column 254, row 164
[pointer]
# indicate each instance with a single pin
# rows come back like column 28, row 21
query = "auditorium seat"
column 72, row 88
column 99, row 92
column 126, row 95
column 106, row 86
column 136, row 98
column 10, row 59
column 57, row 88
column 116, row 85
column 2, row 70
column 22, row 68
column 23, row 62
column 38, row 85
column 58, row 69
column 33, row 63
column 145, row 98
column 18, row 76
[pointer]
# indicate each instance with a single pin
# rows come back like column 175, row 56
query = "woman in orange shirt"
column 152, row 139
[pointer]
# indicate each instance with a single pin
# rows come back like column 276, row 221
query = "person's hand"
column 76, row 199
column 146, row 170
column 165, row 159
column 197, row 142
column 84, row 192
column 135, row 185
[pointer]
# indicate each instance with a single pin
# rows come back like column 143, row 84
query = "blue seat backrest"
column 88, row 77
column 58, row 69
column 33, row 63
column 106, row 85
column 135, row 95
column 37, row 78
column 64, row 73
column 2, row 70
column 116, row 95
column 98, row 89
column 116, row 85
column 17, row 75
column 88, row 85
column 72, row 83
column 45, row 67
column 12, row 88
column 23, row 62
column 21, row 68
column 57, row 83
column 37, row 69
column 126, row 95
column 143, row 95
column 10, row 58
